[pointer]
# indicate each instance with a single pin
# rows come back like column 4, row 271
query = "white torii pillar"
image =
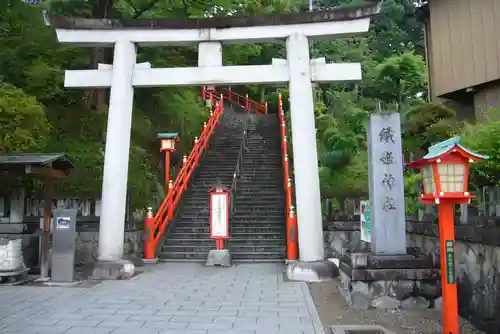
column 305, row 151
column 115, row 175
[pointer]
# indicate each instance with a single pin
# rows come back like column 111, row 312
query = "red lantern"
column 445, row 172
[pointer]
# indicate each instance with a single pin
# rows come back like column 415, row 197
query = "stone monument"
column 384, row 273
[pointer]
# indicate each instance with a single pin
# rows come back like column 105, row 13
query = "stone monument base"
column 311, row 271
column 110, row 270
column 389, row 282
column 219, row 257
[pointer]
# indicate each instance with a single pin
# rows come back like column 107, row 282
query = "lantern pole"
column 448, row 272
column 168, row 146
column 167, row 168
column 448, row 152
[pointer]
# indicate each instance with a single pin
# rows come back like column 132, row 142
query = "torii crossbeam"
column 298, row 70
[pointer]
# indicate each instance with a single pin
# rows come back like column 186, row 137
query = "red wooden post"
column 280, row 108
column 266, row 108
column 286, row 172
column 167, row 168
column 230, row 94
column 292, row 249
column 284, row 139
column 149, row 229
column 246, row 102
column 203, row 93
column 447, row 256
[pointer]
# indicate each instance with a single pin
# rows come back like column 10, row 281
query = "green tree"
column 24, row 121
column 424, row 124
column 399, row 79
column 483, row 138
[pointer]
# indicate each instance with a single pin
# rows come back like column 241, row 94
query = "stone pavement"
column 167, row 298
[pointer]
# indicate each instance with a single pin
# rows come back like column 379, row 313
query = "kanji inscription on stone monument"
column 388, row 180
column 388, row 233
column 387, row 158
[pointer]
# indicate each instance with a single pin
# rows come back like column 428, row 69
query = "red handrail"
column 291, row 218
column 242, row 101
column 156, row 225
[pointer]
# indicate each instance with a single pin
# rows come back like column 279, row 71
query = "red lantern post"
column 167, row 145
column 219, row 215
column 445, row 173
column 149, row 246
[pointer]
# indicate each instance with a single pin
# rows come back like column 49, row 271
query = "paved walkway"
column 169, row 298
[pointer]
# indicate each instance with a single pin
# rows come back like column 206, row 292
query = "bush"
column 484, row 138
column 25, row 126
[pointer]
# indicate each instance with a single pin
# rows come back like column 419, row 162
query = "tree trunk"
column 98, row 97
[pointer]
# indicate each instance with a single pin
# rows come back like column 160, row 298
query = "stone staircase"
column 257, row 228
column 257, row 225
column 187, row 237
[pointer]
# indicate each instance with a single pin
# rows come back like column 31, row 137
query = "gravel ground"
column 333, row 310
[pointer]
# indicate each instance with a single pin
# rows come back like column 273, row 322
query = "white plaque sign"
column 218, row 215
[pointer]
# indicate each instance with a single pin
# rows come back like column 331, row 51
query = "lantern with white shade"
column 168, row 141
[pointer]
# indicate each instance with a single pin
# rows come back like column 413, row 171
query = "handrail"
column 237, row 170
column 243, row 101
column 156, row 225
column 291, row 218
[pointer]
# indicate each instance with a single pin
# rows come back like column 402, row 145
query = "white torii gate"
column 298, row 70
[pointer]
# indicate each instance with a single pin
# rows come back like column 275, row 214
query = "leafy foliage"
column 483, row 138
column 24, row 122
column 425, row 124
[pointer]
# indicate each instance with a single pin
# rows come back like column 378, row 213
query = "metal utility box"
column 63, row 245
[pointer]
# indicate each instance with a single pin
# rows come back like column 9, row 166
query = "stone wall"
column 478, row 268
column 477, row 261
column 87, row 236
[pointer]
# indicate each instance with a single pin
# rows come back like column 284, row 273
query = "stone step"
column 207, row 241
column 261, row 191
column 261, row 202
column 266, row 210
column 197, row 248
column 256, row 241
column 238, row 255
column 184, row 256
column 271, row 228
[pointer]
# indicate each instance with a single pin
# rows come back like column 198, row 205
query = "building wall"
column 485, row 99
column 464, row 44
